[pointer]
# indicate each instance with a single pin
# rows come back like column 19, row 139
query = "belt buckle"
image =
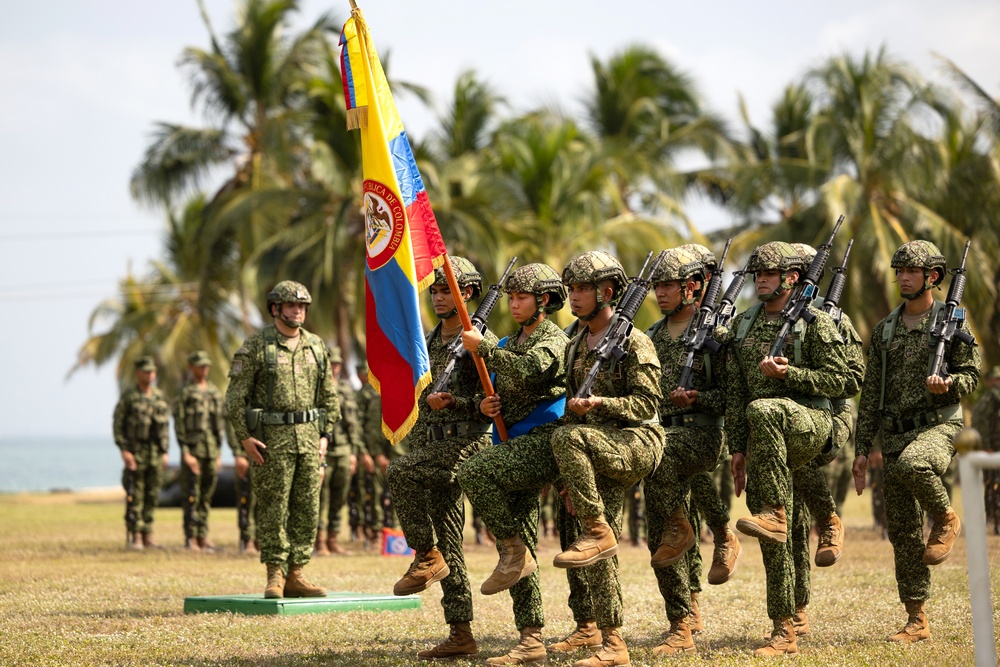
column 450, row 429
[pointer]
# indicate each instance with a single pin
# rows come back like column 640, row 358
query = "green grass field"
column 71, row 595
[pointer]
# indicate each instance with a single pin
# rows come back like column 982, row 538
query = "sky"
column 84, row 82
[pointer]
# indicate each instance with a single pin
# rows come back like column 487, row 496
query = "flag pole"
column 463, row 313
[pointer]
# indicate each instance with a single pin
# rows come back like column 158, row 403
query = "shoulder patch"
column 237, row 366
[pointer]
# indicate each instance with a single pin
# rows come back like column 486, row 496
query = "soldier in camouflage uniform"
column 986, row 420
column 693, row 444
column 142, row 433
column 199, row 420
column 609, row 441
column 778, row 418
column 376, row 444
column 246, row 501
column 280, row 398
column 504, row 481
column 425, row 489
column 342, row 456
column 918, row 415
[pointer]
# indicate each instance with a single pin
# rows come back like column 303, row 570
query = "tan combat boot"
column 297, row 586
column 250, row 548
column 800, row 621
column 515, row 564
column 831, row 541
column 678, row 537
column 768, row 526
column 206, row 545
column 943, row 533
column 191, row 544
column 319, row 546
column 678, row 639
column 694, row 621
column 725, row 556
column 917, row 629
column 586, row 635
column 529, row 651
column 275, row 581
column 334, row 547
column 782, row 641
column 460, row 642
column 148, row 543
column 598, row 543
column 613, row 651
column 136, row 544
column 425, row 569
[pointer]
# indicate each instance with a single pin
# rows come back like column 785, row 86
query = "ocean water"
column 43, row 463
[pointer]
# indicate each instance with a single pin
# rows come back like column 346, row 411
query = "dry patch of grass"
column 71, row 595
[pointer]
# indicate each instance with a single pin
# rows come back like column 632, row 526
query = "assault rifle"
column 479, row 318
column 947, row 327
column 243, row 506
column 701, row 337
column 131, row 516
column 798, row 305
column 831, row 302
column 612, row 344
column 727, row 307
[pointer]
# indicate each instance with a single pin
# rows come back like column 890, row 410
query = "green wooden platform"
column 255, row 605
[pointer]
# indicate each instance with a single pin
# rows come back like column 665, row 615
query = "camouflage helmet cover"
column 199, row 358
column 776, row 255
column 806, row 252
column 538, row 279
column 680, row 264
column 708, row 257
column 145, row 364
column 920, row 254
column 333, row 354
column 593, row 267
column 288, row 291
column 465, row 274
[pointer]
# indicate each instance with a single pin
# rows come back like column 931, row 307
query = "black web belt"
column 694, row 419
column 933, row 418
column 301, row 417
column 457, row 430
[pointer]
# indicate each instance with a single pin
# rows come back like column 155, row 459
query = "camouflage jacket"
column 529, row 372
column 820, row 373
column 855, row 355
column 906, row 393
column 142, row 420
column 370, row 412
column 345, row 435
column 986, row 418
column 199, row 420
column 302, row 382
column 673, row 355
column 629, row 389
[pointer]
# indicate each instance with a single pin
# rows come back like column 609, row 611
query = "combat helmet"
column 708, row 257
column 593, row 267
column 333, row 354
column 922, row 255
column 288, row 291
column 683, row 265
column 465, row 274
column 806, row 252
column 538, row 279
column 775, row 256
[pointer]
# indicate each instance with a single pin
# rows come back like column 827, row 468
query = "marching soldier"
column 142, row 433
column 198, row 420
column 918, row 416
column 280, row 397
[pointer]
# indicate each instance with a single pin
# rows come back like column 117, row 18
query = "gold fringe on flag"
column 357, row 118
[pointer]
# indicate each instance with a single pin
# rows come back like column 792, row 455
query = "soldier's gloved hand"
column 129, row 459
column 368, row 463
column 938, row 385
column 254, row 448
column 440, row 400
column 471, row 339
column 774, row 367
column 581, row 406
column 739, row 467
column 191, row 462
column 490, row 406
column 682, row 397
column 860, row 472
column 383, row 462
column 242, row 467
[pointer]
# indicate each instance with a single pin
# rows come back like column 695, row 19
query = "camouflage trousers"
column 912, row 484
column 687, row 453
column 367, row 490
column 197, row 491
column 838, row 473
column 784, row 436
column 148, row 480
column 503, row 483
column 431, row 510
column 598, row 464
column 711, row 497
column 248, row 532
column 333, row 492
column 580, row 601
column 287, row 492
column 812, row 499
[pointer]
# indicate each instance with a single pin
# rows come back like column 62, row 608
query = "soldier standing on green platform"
column 142, row 433
column 198, row 421
column 918, row 415
column 246, row 501
column 986, row 420
column 692, row 420
column 425, row 489
column 378, row 446
column 778, row 418
column 280, row 396
column 608, row 441
column 504, row 481
column 342, row 455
